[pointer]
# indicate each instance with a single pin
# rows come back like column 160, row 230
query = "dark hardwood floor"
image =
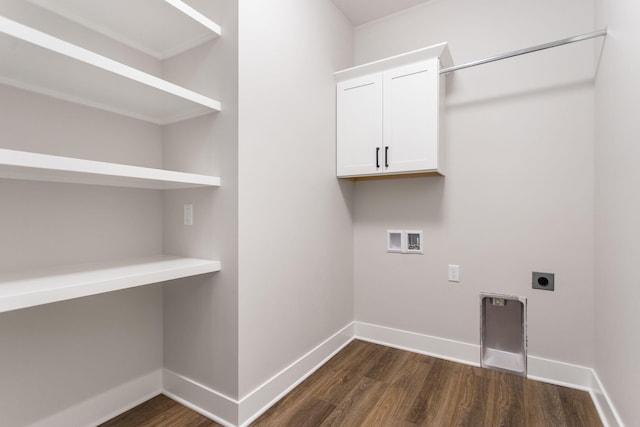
column 372, row 385
column 160, row 412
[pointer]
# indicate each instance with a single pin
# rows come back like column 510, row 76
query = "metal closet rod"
column 561, row 42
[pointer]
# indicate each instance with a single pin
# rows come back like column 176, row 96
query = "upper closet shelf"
column 440, row 50
column 160, row 28
column 38, row 62
column 21, row 290
column 45, row 167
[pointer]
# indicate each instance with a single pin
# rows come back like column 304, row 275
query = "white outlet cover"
column 188, row 214
column 454, row 273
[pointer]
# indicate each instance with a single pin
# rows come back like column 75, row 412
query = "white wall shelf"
column 439, row 50
column 35, row 61
column 21, row 290
column 122, row 20
column 44, row 167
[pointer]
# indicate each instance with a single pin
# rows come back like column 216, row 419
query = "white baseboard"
column 107, row 405
column 208, row 402
column 442, row 348
column 608, row 413
column 559, row 373
column 263, row 397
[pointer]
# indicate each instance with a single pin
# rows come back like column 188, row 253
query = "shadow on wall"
column 406, row 200
column 540, row 73
column 346, row 189
column 471, row 101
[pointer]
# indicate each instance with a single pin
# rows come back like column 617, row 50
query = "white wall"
column 56, row 356
column 617, row 208
column 201, row 313
column 295, row 244
column 518, row 196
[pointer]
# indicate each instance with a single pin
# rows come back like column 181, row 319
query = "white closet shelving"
column 41, row 63
column 44, row 167
column 21, row 290
column 121, row 20
column 36, row 61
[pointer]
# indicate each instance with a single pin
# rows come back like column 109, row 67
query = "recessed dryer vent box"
column 503, row 333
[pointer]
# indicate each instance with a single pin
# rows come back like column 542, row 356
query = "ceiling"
column 361, row 11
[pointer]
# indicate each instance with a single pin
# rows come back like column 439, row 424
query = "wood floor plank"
column 355, row 348
column 160, row 411
column 356, row 406
column 506, row 392
column 577, row 410
column 388, row 365
column 430, row 405
column 469, row 403
column 396, row 402
column 330, row 383
column 288, row 407
column 542, row 405
column 317, row 383
column 343, row 379
column 311, row 414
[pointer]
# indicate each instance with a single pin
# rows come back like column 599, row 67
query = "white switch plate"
column 454, row 273
column 188, row 214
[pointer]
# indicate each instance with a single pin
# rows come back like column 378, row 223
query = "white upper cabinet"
column 411, row 116
column 389, row 113
column 359, row 104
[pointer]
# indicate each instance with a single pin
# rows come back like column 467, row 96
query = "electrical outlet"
column 454, row 273
column 188, row 214
column 543, row 281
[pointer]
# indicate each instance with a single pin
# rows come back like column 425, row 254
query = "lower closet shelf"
column 37, row 287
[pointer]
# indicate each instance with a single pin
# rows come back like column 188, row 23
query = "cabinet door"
column 411, row 117
column 359, row 126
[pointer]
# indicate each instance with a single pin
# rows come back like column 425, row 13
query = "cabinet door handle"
column 386, row 156
column 377, row 157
